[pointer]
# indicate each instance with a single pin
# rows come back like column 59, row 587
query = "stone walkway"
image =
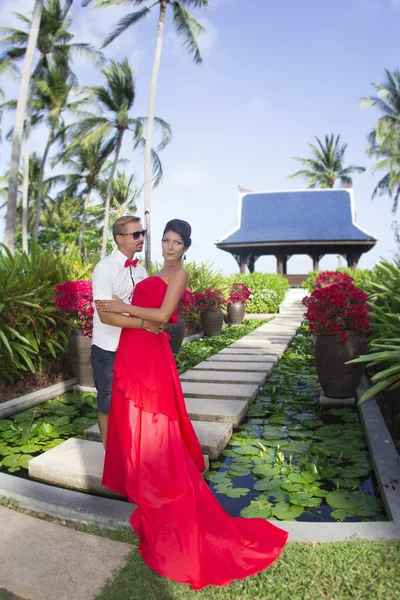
column 44, row 561
column 217, row 391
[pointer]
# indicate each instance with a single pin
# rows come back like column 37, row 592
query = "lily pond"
column 34, row 431
column 293, row 461
column 289, row 461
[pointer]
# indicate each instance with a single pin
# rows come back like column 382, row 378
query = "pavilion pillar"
column 242, row 266
column 279, row 264
column 315, row 260
column 284, row 264
column 352, row 259
column 250, row 262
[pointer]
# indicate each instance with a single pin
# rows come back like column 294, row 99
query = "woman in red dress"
column 153, row 456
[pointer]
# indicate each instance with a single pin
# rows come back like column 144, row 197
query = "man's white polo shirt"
column 111, row 277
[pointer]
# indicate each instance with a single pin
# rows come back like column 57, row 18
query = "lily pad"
column 237, row 492
column 236, row 470
column 267, row 484
column 260, row 510
column 285, row 511
column 303, row 499
column 340, row 515
column 266, row 470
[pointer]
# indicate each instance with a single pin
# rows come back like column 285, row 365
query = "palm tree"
column 86, row 163
column 52, row 100
column 388, row 155
column 187, row 28
column 125, row 195
column 117, row 98
column 19, row 125
column 326, row 165
column 383, row 142
column 53, row 44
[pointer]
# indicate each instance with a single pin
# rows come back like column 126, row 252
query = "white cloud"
column 395, row 4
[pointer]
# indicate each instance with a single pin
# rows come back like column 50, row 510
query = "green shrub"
column 268, row 291
column 360, row 276
column 384, row 339
column 31, row 328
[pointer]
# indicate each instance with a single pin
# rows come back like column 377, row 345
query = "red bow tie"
column 129, row 262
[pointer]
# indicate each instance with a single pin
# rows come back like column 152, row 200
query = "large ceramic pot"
column 176, row 333
column 337, row 379
column 212, row 321
column 236, row 313
column 79, row 358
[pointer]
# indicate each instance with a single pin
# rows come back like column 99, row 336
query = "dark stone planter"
column 79, row 358
column 176, row 333
column 337, row 379
column 212, row 321
column 236, row 313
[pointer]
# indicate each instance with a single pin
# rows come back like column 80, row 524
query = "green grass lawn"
column 351, row 570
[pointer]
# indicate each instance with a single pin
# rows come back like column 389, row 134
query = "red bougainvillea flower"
column 239, row 293
column 76, row 298
column 337, row 307
column 209, row 299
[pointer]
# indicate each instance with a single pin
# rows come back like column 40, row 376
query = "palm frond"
column 187, row 29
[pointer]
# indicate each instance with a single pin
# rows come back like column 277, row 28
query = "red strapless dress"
column 154, row 459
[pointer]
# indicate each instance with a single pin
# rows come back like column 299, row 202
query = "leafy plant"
column 384, row 340
column 31, row 331
column 268, row 290
column 209, row 300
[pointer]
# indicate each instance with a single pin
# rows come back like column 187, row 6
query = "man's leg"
column 103, row 372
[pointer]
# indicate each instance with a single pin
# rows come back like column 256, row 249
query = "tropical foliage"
column 268, row 291
column 326, row 166
column 383, row 360
column 31, row 330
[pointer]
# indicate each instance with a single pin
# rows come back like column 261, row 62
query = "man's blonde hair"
column 120, row 224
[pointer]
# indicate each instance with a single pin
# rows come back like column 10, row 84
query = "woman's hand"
column 114, row 306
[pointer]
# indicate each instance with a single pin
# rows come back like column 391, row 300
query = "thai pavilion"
column 314, row 222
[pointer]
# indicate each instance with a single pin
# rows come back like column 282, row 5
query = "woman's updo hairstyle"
column 182, row 228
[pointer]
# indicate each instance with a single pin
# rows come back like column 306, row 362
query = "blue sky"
column 274, row 75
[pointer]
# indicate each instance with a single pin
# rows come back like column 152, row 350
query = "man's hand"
column 154, row 327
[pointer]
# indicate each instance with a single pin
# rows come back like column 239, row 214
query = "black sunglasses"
column 136, row 234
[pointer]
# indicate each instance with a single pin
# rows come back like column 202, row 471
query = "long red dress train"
column 154, row 459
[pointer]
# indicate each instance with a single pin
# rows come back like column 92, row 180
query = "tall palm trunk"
column 84, row 215
column 108, row 196
column 149, row 133
column 27, row 150
column 39, row 199
column 19, row 125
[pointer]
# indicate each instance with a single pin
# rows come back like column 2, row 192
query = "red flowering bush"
column 76, row 298
column 330, row 278
column 187, row 307
column 239, row 293
column 337, row 308
column 209, row 299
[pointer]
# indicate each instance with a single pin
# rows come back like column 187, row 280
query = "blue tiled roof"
column 297, row 216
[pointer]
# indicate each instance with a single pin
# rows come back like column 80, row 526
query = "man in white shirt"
column 117, row 274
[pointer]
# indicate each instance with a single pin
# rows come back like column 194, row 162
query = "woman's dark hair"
column 182, row 228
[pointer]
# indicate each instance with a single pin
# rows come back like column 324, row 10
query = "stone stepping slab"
column 237, row 357
column 75, row 464
column 222, row 376
column 268, row 353
column 217, row 411
column 218, row 365
column 213, row 437
column 221, row 391
column 254, row 348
